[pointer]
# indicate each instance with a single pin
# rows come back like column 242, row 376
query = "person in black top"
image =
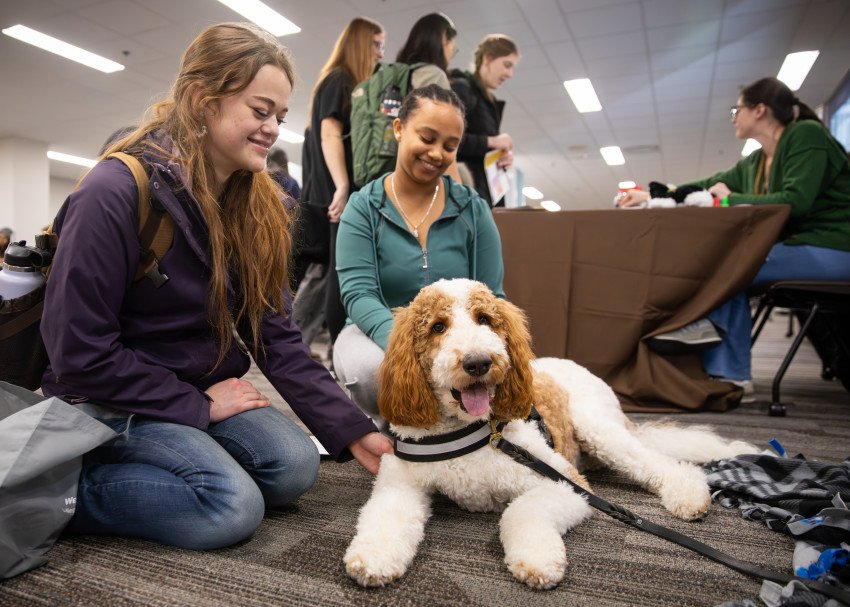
column 328, row 174
column 494, row 62
column 278, row 168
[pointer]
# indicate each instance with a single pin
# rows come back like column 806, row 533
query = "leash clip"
column 495, row 435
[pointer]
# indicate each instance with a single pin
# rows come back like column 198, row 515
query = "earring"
column 203, row 131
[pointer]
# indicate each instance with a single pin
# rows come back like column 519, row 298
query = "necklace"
column 401, row 208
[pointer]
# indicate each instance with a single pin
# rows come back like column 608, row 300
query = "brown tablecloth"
column 596, row 284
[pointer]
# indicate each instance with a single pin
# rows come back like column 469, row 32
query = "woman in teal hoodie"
column 407, row 230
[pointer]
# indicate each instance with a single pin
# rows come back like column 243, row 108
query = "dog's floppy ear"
column 513, row 398
column 404, row 396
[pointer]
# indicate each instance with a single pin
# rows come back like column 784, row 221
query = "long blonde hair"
column 352, row 53
column 248, row 226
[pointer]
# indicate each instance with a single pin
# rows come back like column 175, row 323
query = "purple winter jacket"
column 132, row 347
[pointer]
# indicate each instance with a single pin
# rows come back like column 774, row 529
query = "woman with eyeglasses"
column 494, row 61
column 801, row 165
column 328, row 176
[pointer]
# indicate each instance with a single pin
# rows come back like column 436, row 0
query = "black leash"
column 525, row 458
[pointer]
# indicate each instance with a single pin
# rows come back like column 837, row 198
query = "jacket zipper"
column 425, row 265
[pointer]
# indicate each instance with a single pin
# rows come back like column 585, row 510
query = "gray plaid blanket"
column 805, row 499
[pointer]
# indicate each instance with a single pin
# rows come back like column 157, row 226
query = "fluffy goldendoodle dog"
column 459, row 357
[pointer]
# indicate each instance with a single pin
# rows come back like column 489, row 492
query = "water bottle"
column 21, row 270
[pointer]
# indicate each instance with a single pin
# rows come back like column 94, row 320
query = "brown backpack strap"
column 156, row 226
column 22, row 321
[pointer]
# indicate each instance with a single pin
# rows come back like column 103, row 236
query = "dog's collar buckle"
column 495, row 433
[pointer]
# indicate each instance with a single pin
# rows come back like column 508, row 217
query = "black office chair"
column 812, row 299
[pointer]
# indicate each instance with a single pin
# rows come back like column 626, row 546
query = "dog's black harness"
column 444, row 446
column 440, row 447
column 473, row 437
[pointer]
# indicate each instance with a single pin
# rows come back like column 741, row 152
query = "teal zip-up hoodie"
column 382, row 266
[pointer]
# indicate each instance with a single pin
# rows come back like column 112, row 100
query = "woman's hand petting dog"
column 368, row 450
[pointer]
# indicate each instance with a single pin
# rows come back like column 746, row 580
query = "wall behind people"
column 60, row 187
column 24, row 185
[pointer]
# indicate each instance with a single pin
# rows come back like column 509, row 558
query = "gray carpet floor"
column 295, row 558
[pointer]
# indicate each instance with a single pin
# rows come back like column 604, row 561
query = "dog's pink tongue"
column 475, row 399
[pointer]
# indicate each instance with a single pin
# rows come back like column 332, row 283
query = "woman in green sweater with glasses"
column 800, row 165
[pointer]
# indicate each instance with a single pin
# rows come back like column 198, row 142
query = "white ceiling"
column 666, row 72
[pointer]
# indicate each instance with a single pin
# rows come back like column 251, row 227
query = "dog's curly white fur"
column 458, row 355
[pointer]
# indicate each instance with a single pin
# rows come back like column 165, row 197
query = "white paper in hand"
column 497, row 179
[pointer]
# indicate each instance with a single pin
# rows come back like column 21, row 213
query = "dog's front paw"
column 685, row 493
column 372, row 570
column 540, row 575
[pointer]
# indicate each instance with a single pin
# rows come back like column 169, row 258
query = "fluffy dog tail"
column 697, row 444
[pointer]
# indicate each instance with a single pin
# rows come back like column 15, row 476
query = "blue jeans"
column 731, row 359
column 195, row 489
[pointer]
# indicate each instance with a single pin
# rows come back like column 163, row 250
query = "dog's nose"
column 476, row 366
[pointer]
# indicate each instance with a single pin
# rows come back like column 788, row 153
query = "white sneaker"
column 747, row 384
column 749, row 389
column 699, row 335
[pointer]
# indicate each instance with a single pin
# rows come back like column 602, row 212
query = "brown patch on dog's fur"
column 405, row 397
column 552, row 402
column 513, row 399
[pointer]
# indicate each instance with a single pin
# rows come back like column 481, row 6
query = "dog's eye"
column 438, row 327
column 483, row 319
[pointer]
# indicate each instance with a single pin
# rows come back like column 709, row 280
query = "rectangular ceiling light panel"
column 613, row 155
column 796, row 67
column 583, row 95
column 63, row 49
column 264, row 16
column 530, row 191
column 85, row 162
column 749, row 147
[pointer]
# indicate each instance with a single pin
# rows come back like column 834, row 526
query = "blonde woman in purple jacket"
column 203, row 453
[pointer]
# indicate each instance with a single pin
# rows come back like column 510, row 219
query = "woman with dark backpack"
column 433, row 41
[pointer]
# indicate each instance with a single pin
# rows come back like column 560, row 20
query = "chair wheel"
column 776, row 410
